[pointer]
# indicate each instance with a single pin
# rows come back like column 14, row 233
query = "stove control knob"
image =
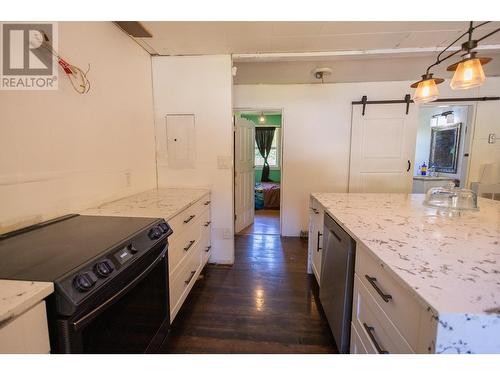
column 83, row 282
column 103, row 269
column 154, row 233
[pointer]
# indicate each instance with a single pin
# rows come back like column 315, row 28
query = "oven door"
column 131, row 316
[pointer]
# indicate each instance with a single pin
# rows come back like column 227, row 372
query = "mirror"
column 445, row 145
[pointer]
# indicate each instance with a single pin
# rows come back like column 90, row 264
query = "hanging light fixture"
column 468, row 72
column 262, row 118
column 426, row 89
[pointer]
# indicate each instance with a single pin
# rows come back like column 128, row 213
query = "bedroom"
column 258, row 181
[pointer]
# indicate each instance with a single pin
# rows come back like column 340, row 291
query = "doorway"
column 258, row 171
column 443, row 146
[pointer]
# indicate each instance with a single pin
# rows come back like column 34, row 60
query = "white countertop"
column 453, row 263
column 164, row 203
column 16, row 297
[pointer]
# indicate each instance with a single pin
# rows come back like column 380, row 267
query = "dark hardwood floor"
column 264, row 303
column 265, row 222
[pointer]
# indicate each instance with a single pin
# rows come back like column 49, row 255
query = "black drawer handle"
column 189, row 245
column 208, row 249
column 315, row 211
column 208, row 223
column 317, row 245
column 373, row 282
column 371, row 333
column 189, row 219
column 190, row 277
column 207, row 203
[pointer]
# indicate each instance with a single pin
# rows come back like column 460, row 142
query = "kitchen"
column 124, row 177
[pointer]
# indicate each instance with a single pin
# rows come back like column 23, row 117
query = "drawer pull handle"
column 315, row 211
column 189, row 219
column 190, row 277
column 207, row 203
column 208, row 223
column 208, row 249
column 371, row 333
column 373, row 282
column 317, row 245
column 189, row 245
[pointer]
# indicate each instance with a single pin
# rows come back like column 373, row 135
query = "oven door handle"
column 84, row 320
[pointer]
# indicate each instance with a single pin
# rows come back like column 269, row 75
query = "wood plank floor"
column 265, row 222
column 264, row 303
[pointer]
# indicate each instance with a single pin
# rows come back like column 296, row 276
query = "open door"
column 244, row 173
column 382, row 148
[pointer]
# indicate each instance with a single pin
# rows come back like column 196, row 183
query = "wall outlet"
column 227, row 234
column 492, row 138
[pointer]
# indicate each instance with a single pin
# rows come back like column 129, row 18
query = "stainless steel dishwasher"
column 337, row 278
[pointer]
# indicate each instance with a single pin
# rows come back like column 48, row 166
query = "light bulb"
column 469, row 74
column 262, row 119
column 426, row 91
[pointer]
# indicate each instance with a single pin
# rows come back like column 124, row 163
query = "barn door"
column 382, row 148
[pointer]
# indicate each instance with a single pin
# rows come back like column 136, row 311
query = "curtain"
column 264, row 138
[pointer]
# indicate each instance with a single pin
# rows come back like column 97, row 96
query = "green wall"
column 270, row 119
column 274, row 174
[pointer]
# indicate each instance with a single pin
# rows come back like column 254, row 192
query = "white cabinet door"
column 382, row 148
column 244, row 174
column 316, row 237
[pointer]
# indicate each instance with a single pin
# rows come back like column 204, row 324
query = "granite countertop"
column 16, row 297
column 450, row 263
column 164, row 203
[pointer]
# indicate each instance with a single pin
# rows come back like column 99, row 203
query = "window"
column 274, row 154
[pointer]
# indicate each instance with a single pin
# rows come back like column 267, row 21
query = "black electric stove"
column 110, row 279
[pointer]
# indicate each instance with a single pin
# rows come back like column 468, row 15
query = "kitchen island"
column 448, row 265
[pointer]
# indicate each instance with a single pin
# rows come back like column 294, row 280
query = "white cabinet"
column 188, row 251
column 315, row 245
column 386, row 316
column 27, row 334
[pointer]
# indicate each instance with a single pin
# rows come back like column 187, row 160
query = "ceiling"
column 359, row 51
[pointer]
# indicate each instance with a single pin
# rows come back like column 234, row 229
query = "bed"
column 267, row 195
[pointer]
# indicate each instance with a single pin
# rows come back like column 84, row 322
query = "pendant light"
column 468, row 72
column 426, row 89
column 262, row 118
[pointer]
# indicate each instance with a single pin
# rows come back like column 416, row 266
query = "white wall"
column 60, row 151
column 200, row 85
column 316, row 129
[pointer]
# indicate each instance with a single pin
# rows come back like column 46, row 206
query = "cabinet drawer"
column 377, row 333
column 182, row 246
column 399, row 305
column 182, row 281
column 357, row 346
column 26, row 334
column 186, row 219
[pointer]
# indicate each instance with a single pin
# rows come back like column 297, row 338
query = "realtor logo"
column 28, row 61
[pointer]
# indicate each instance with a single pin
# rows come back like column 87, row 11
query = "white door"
column 383, row 148
column 244, row 174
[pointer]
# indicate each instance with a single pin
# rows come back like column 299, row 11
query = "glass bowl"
column 451, row 198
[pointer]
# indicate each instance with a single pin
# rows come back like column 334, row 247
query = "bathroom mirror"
column 445, row 141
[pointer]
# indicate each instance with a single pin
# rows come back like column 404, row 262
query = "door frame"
column 471, row 128
column 282, row 138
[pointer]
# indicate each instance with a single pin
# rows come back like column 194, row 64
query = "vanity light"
column 426, row 89
column 262, row 118
column 468, row 72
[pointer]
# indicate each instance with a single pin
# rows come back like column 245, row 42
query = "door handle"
column 189, row 245
column 373, row 282
column 409, row 166
column 317, row 245
column 189, row 219
column 371, row 331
